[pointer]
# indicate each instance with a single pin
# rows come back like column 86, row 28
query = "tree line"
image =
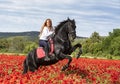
column 95, row 44
column 103, row 46
column 17, row 44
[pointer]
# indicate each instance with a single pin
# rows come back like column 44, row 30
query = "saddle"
column 41, row 51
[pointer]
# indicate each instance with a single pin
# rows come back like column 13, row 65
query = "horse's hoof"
column 24, row 72
column 64, row 68
column 77, row 56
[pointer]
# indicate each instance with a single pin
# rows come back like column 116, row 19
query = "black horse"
column 65, row 33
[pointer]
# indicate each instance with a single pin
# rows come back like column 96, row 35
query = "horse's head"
column 66, row 30
column 71, row 28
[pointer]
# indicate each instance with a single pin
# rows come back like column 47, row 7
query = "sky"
column 100, row 16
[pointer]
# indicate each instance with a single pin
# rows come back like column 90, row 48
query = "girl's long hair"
column 45, row 24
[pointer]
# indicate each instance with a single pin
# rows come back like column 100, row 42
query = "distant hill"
column 79, row 37
column 12, row 34
column 31, row 34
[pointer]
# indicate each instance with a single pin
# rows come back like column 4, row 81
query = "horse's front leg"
column 74, row 48
column 69, row 61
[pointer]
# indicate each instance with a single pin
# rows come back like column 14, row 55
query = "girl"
column 46, row 30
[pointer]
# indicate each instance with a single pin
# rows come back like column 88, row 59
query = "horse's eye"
column 73, row 26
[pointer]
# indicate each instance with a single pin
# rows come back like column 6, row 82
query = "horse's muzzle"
column 72, row 37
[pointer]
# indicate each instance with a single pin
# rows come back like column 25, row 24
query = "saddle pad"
column 40, row 52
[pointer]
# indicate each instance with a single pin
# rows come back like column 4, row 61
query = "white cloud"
column 90, row 15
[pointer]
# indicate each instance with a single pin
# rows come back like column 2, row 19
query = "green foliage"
column 95, row 37
column 17, row 44
column 115, row 46
column 108, row 46
column 4, row 45
column 96, row 45
column 115, row 33
column 85, row 45
column 111, row 44
column 30, row 46
column 93, row 44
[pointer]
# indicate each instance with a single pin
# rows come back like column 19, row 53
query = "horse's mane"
column 59, row 26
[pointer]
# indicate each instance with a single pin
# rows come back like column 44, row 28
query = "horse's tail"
column 25, row 66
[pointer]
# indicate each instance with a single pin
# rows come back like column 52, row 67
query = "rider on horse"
column 47, row 29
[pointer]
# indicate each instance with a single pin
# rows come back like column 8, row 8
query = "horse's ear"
column 73, row 20
column 68, row 19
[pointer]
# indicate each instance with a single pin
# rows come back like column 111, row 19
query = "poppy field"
column 81, row 71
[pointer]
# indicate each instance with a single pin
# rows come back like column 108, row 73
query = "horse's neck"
column 62, row 35
column 61, row 39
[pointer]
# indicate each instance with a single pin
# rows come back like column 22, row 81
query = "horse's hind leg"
column 67, row 65
column 32, row 67
column 69, row 61
column 25, row 66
